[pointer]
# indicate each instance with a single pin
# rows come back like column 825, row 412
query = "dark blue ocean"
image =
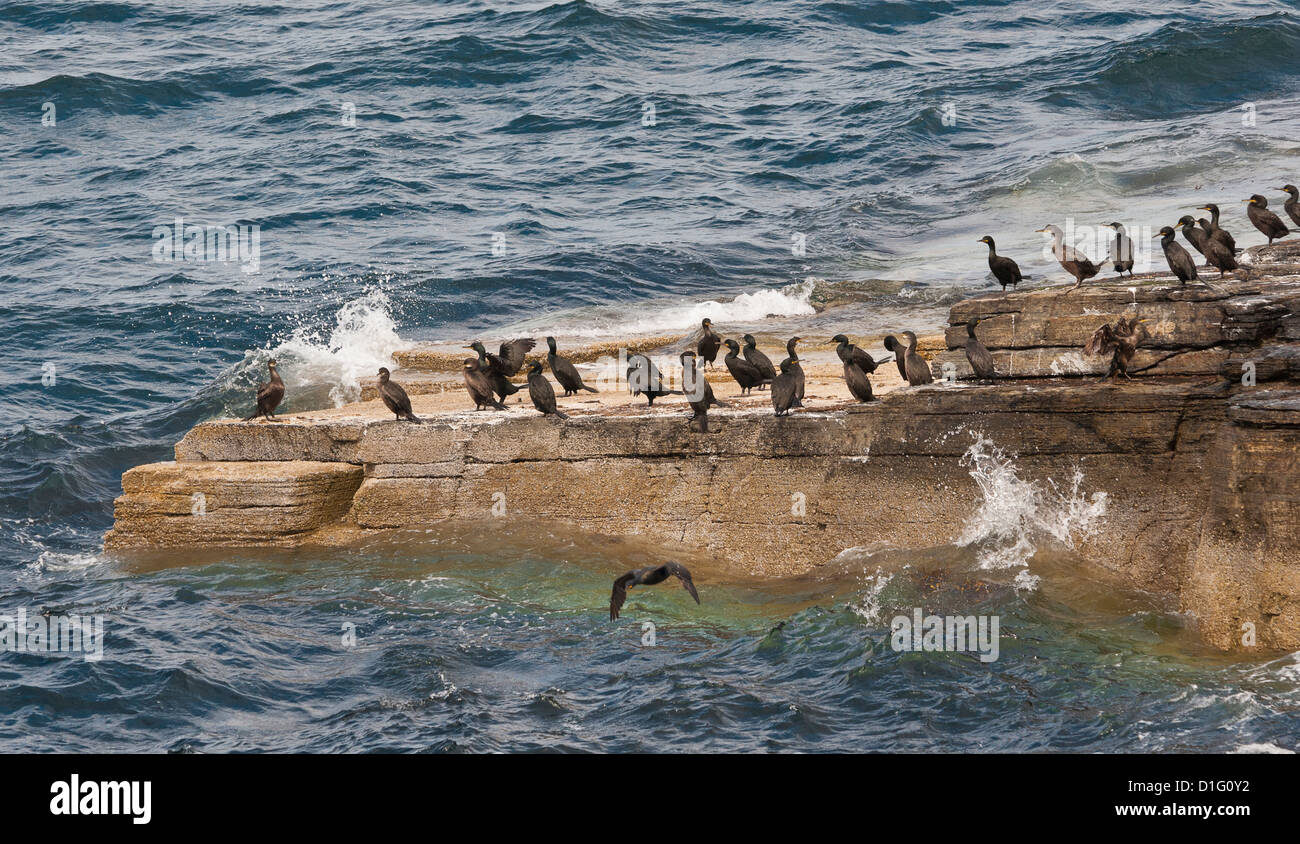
column 444, row 170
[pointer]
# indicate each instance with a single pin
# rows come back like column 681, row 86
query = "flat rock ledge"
column 1197, row 457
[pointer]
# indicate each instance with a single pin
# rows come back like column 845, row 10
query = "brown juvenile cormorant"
column 479, row 384
column 500, row 367
column 1005, row 270
column 745, row 373
column 643, row 378
column 757, row 358
column 1072, row 260
column 709, row 344
column 900, row 354
column 1180, row 262
column 918, row 371
column 858, row 382
column 698, row 392
column 1121, row 339
column 980, row 359
column 649, row 576
column 1196, row 237
column 541, row 392
column 850, row 353
column 1122, row 252
column 395, row 398
column 785, row 388
column 1265, row 220
column 269, row 394
column 1292, row 205
column 1215, row 230
column 565, row 372
column 796, row 369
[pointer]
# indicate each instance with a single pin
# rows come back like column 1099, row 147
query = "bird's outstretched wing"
column 512, row 353
column 619, row 594
column 1101, row 342
column 680, row 572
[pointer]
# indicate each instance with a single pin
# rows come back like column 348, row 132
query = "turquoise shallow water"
column 771, row 119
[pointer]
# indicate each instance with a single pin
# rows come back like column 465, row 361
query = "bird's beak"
column 1248, row 200
column 1202, row 208
column 1157, row 236
column 1040, row 230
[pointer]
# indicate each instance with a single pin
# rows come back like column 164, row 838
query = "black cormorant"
column 1122, row 252
column 643, row 378
column 480, row 385
column 1005, row 270
column 757, row 358
column 506, row 363
column 1195, row 236
column 565, row 372
column 796, row 369
column 709, row 344
column 648, row 577
column 850, row 353
column 900, row 354
column 858, row 382
column 269, row 394
column 1216, row 254
column 1180, row 261
column 1265, row 220
column 1121, row 339
column 698, row 392
column 1292, row 205
column 785, row 388
column 1072, row 260
column 395, row 398
column 918, row 371
column 541, row 392
column 1215, row 230
column 745, row 373
column 980, row 359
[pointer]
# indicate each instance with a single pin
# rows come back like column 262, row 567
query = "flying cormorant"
column 698, row 392
column 1265, row 220
column 709, row 344
column 648, row 576
column 918, row 371
column 269, row 394
column 395, row 398
column 785, row 388
column 850, row 353
column 980, row 359
column 480, row 386
column 1215, row 230
column 643, row 378
column 757, row 358
column 900, row 354
column 541, row 391
column 1121, row 339
column 1292, row 205
column 1195, row 236
column 1072, row 260
column 1005, row 270
column 1122, row 252
column 565, row 372
column 1180, row 262
column 745, row 373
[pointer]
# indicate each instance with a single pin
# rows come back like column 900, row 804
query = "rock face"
column 1197, row 456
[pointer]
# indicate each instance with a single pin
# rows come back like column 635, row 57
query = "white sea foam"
column 1015, row 515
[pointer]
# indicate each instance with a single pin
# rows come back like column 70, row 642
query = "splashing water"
column 1015, row 514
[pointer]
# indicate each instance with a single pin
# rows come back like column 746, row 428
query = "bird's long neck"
column 993, row 252
column 789, row 350
column 275, row 377
column 843, row 348
column 1214, row 217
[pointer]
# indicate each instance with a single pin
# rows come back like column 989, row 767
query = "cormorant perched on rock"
column 757, row 358
column 785, row 388
column 500, row 367
column 1196, row 237
column 1072, row 260
column 480, row 386
column 746, row 374
column 395, row 398
column 709, row 344
column 1216, row 254
column 541, row 392
column 900, row 354
column 565, row 372
column 980, row 359
column 1122, row 252
column 1265, row 220
column 1121, row 339
column 1292, row 205
column 698, row 392
column 1005, row 270
column 858, row 382
column 850, row 353
column 649, row 576
column 796, row 369
column 1215, row 230
column 643, row 378
column 1180, row 262
column 918, row 371
column 269, row 394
